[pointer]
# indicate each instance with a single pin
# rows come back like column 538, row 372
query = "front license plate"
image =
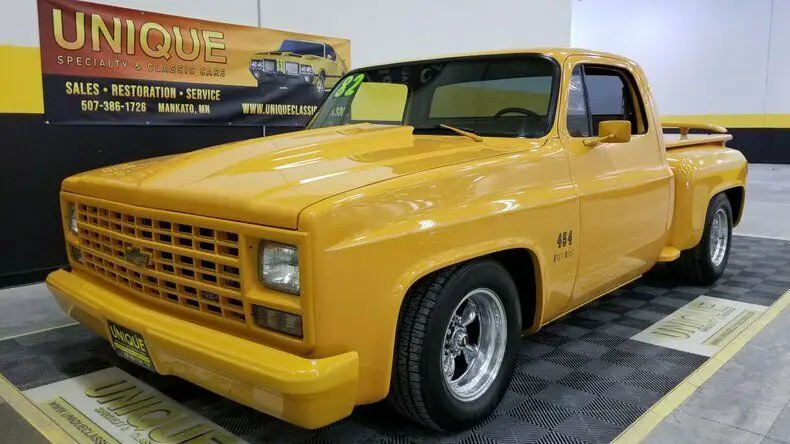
column 130, row 345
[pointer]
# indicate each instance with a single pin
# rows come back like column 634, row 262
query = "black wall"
column 762, row 145
column 758, row 145
column 36, row 157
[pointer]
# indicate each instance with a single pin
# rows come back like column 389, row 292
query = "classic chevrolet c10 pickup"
column 431, row 214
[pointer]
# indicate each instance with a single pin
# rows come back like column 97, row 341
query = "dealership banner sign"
column 108, row 65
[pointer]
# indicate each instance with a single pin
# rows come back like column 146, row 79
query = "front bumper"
column 281, row 77
column 307, row 392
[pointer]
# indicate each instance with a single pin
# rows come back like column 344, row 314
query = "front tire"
column 705, row 263
column 458, row 337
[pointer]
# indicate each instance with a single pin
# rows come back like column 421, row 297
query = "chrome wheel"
column 474, row 344
column 719, row 237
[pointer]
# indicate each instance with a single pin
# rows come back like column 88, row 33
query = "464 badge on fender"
column 565, row 239
column 565, row 245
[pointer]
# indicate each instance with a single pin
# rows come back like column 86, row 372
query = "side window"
column 330, row 53
column 612, row 95
column 578, row 124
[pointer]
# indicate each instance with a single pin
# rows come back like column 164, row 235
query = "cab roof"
column 558, row 53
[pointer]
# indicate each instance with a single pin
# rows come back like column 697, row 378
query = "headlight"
column 306, row 69
column 279, row 267
column 73, row 219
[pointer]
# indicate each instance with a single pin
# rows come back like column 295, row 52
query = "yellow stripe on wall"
column 734, row 120
column 777, row 121
column 20, row 80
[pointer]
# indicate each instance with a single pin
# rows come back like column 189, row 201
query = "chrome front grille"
column 193, row 266
column 291, row 68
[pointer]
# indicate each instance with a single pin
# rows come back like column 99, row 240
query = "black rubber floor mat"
column 580, row 379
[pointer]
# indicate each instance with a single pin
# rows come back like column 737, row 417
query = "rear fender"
column 701, row 172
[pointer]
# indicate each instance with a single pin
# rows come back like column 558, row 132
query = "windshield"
column 303, row 48
column 510, row 96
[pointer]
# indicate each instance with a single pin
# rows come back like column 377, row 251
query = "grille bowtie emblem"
column 136, row 256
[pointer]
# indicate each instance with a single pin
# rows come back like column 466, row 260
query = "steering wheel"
column 527, row 112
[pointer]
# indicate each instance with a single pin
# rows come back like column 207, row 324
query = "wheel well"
column 521, row 266
column 735, row 195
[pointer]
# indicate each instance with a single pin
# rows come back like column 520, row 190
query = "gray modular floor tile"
column 681, row 427
column 732, row 409
column 29, row 308
column 767, row 202
column 752, row 388
column 781, row 427
column 15, row 429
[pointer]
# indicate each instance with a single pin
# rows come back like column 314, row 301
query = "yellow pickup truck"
column 432, row 213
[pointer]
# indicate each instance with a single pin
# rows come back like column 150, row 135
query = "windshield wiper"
column 464, row 132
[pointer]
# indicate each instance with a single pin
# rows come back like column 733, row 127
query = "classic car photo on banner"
column 105, row 64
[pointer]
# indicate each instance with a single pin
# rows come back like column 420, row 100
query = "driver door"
column 624, row 188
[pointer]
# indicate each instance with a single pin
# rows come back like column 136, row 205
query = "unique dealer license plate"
column 130, row 345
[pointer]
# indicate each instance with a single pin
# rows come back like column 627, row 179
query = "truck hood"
column 269, row 181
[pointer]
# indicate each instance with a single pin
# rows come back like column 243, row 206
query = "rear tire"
column 705, row 263
column 457, row 323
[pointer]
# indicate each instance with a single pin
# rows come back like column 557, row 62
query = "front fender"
column 371, row 244
column 426, row 266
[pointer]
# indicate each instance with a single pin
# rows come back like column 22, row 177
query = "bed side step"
column 668, row 254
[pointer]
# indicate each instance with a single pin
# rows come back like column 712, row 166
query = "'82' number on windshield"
column 349, row 85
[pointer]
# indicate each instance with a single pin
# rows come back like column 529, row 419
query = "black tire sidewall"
column 447, row 411
column 711, row 271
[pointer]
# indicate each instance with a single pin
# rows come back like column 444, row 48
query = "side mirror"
column 611, row 131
